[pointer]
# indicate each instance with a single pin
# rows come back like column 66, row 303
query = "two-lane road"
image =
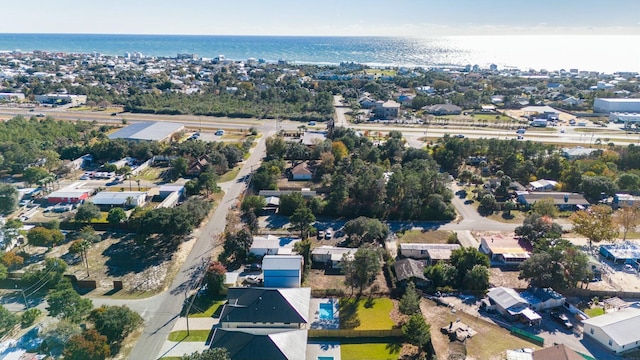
column 164, row 309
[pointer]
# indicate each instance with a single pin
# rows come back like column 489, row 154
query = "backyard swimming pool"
column 325, row 311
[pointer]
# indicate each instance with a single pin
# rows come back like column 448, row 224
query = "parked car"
column 328, row 234
column 562, row 319
column 320, row 235
column 219, row 132
column 460, row 136
column 254, row 267
column 253, row 279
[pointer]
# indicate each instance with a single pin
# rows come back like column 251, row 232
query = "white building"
column 623, row 117
column 543, row 185
column 265, row 245
column 601, row 105
column 109, row 199
column 331, row 256
column 432, row 253
column 617, row 331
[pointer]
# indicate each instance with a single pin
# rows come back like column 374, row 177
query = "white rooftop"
column 621, row 326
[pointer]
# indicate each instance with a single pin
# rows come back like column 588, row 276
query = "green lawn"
column 229, row 175
column 593, row 312
column 205, row 308
column 370, row 351
column 194, row 335
column 366, row 314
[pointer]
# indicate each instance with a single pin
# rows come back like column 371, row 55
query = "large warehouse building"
column 148, row 131
column 602, row 105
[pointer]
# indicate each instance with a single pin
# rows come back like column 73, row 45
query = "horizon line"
column 321, row 36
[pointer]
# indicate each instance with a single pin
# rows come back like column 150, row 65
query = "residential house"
column 301, row 172
column 272, row 344
column 273, row 203
column 366, row 101
column 572, row 101
column 330, row 256
column 443, row 109
column 431, row 253
column 563, row 200
column 197, row 167
column 505, row 250
column 257, row 307
column 510, row 304
column 282, row 271
column 617, row 331
column 543, row 185
column 556, row 352
column 406, row 99
column 387, row 109
column 271, row 245
column 543, row 298
column 410, row 270
column 476, row 160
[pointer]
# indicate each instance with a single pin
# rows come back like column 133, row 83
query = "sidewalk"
column 178, row 349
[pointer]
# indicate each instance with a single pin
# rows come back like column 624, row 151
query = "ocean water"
column 604, row 53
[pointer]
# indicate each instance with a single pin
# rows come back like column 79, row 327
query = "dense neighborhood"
column 190, row 208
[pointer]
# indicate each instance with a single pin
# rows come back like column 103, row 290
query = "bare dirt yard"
column 143, row 269
column 425, row 237
column 317, row 279
column 490, row 343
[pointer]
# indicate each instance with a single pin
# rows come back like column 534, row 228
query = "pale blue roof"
column 147, row 131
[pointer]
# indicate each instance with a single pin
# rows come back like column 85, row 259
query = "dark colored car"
column 562, row 319
column 254, row 267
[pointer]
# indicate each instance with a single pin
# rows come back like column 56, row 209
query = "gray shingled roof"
column 250, row 304
column 147, row 131
column 272, row 344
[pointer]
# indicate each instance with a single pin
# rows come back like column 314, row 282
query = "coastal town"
column 208, row 208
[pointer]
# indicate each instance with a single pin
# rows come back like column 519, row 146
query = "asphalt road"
column 161, row 311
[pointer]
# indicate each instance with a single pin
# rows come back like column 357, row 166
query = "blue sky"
column 322, row 17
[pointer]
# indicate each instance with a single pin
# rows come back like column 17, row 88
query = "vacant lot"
column 490, row 343
column 118, row 257
column 366, row 313
column 370, row 351
column 425, row 237
column 316, row 279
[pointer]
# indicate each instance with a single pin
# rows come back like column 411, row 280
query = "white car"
column 253, row 279
column 328, row 234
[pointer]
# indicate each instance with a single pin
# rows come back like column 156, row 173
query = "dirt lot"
column 120, row 258
column 425, row 237
column 500, row 277
column 318, row 280
column 490, row 343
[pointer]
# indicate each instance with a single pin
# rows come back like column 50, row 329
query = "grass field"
column 366, row 314
column 370, row 351
column 593, row 312
column 194, row 335
column 229, row 175
column 204, row 306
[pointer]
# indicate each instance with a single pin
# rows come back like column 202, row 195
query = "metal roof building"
column 617, row 331
column 110, row 199
column 148, row 131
